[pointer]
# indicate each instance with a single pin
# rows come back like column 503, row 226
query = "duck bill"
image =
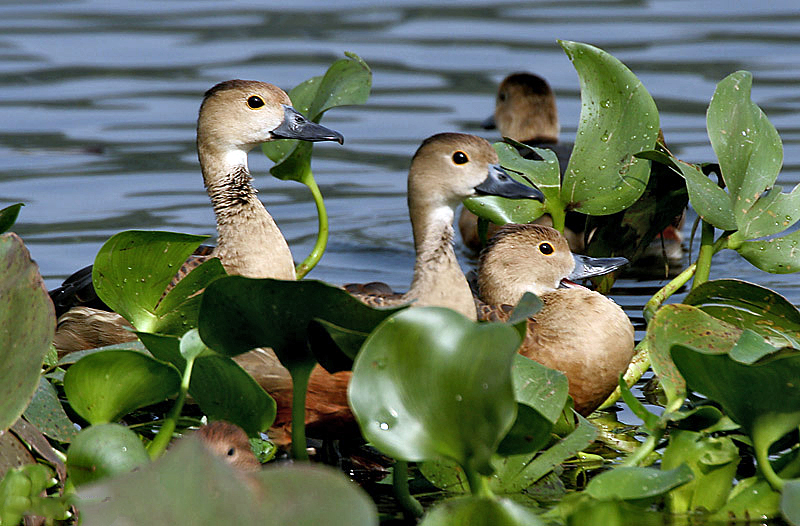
column 499, row 183
column 296, row 126
column 587, row 267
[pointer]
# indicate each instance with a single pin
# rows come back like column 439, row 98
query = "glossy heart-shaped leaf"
column 677, row 323
column 104, row 450
column 633, row 483
column 618, row 119
column 105, row 386
column 8, row 216
column 749, row 151
column 133, row 269
column 347, row 82
column 189, row 485
column 222, row 389
column 749, row 306
column 480, row 510
column 27, row 323
column 777, row 255
column 429, row 383
column 710, row 201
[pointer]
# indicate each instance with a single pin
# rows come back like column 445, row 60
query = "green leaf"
column 189, row 485
column 429, row 383
column 105, row 386
column 27, row 324
column 710, row 201
column 618, row 119
column 747, row 145
column 632, row 483
column 790, row 502
column 778, row 255
column 134, row 268
column 8, row 216
column 480, row 511
column 222, row 389
column 686, row 325
column 102, row 451
column 47, row 414
column 749, row 306
column 713, row 461
column 347, row 82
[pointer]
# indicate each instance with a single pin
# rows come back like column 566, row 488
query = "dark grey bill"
column 587, row 267
column 498, row 182
column 295, row 126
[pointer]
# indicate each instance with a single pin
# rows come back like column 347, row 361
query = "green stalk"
column 412, row 509
column 764, row 465
column 654, row 303
column 559, row 217
column 322, row 233
column 478, row 484
column 642, row 452
column 164, row 435
column 300, row 376
column 704, row 257
column 639, row 365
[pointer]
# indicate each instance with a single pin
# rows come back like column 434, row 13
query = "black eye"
column 255, row 102
column 546, row 248
column 501, row 96
column 460, row 157
column 231, row 452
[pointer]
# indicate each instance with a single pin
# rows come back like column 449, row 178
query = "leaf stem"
column 322, row 233
column 764, row 465
column 478, row 484
column 559, row 217
column 164, row 435
column 642, row 452
column 654, row 303
column 412, row 509
column 704, row 257
column 300, row 376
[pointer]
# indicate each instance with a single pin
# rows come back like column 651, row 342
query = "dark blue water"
column 98, row 101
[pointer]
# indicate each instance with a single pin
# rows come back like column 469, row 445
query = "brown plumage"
column 579, row 332
column 230, row 443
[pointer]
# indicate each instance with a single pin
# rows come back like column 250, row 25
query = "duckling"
column 447, row 168
column 525, row 110
column 234, row 117
column 230, row 443
column 579, row 332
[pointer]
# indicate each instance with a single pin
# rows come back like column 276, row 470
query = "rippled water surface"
column 98, row 101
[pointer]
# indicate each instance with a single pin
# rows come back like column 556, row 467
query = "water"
column 98, row 101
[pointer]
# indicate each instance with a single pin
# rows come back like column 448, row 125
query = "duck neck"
column 438, row 278
column 249, row 242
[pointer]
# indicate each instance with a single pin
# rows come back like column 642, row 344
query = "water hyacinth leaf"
column 710, row 201
column 772, row 213
column 747, row 145
column 790, row 501
column 27, row 324
column 222, row 389
column 764, row 397
column 104, row 450
column 633, row 483
column 8, row 216
column 133, row 269
column 105, row 386
column 238, row 314
column 429, row 383
column 713, row 461
column 539, row 387
column 480, row 510
column 618, row 119
column 749, row 306
column 348, row 81
column 47, row 414
column 688, row 325
column 778, row 255
column 189, row 485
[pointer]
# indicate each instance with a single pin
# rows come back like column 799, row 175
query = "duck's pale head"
column 525, row 109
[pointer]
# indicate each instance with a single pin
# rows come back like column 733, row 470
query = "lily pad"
column 105, row 386
column 27, row 324
column 429, row 383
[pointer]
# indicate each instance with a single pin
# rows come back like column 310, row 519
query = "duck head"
column 525, row 109
column 533, row 258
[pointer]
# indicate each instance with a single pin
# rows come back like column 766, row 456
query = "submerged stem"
column 300, row 376
column 322, row 233
column 412, row 509
column 164, row 435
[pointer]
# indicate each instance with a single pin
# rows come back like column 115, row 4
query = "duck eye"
column 501, row 96
column 460, row 157
column 231, row 452
column 255, row 102
column 546, row 248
